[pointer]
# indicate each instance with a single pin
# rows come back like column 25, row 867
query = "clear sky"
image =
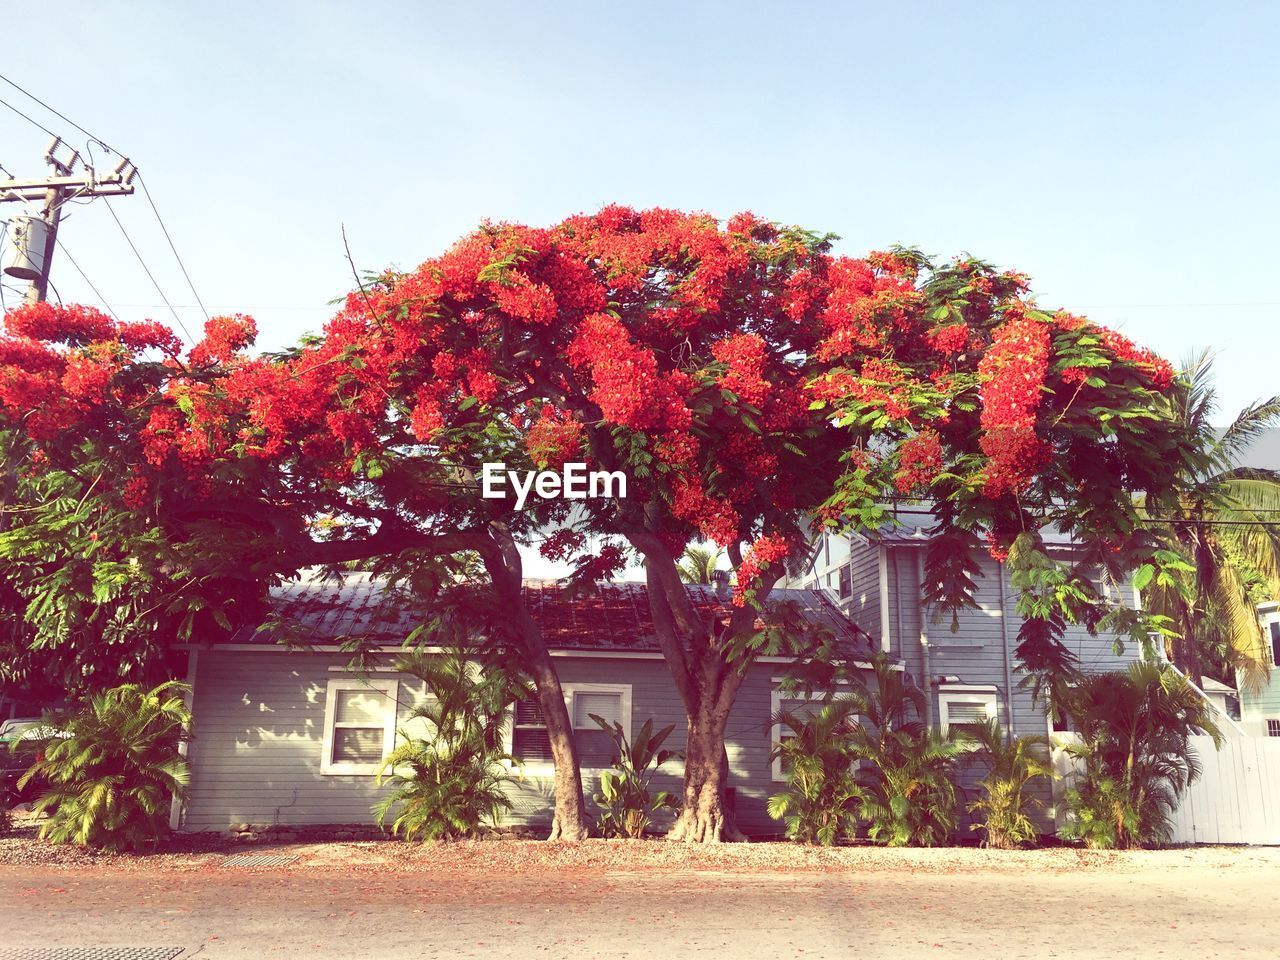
column 1125, row 155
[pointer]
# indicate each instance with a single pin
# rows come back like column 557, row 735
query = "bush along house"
column 293, row 737
column 967, row 674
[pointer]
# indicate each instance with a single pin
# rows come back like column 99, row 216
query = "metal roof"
column 615, row 616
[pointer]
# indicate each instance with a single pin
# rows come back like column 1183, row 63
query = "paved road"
column 223, row 913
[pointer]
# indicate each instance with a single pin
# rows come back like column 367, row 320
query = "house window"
column 846, row 582
column 793, row 703
column 1273, row 728
column 531, row 744
column 1273, row 647
column 359, row 726
column 961, row 708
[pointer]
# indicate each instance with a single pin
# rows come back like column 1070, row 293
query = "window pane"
column 357, row 745
column 838, row 551
column 607, row 706
column 958, row 713
column 595, row 748
column 531, row 745
column 359, row 706
column 1275, row 641
column 528, row 711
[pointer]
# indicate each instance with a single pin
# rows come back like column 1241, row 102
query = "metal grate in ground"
column 256, row 860
column 89, row 953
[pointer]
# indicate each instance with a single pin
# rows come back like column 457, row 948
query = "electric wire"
column 56, row 113
column 103, row 300
column 30, row 120
column 129, row 240
column 182, row 266
column 145, row 190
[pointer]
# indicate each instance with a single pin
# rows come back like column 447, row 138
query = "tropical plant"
column 1012, row 765
column 627, row 806
column 908, row 791
column 1225, row 525
column 1135, row 730
column 698, row 564
column 820, row 801
column 448, row 769
column 113, row 767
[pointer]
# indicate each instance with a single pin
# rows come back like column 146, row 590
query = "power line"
column 56, row 113
column 154, row 283
column 181, row 265
column 150, row 201
column 25, row 117
column 63, row 247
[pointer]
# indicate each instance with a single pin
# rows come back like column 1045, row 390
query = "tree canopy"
column 745, row 379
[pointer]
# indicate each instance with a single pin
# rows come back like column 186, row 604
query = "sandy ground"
column 651, row 900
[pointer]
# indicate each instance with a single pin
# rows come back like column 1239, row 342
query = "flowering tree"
column 745, row 380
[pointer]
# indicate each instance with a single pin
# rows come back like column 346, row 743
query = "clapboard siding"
column 255, row 756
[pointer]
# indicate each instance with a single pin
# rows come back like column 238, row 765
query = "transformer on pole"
column 32, row 237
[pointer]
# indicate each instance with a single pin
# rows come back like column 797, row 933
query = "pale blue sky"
column 1125, row 155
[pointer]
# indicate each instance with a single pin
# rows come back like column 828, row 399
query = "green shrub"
column 907, row 780
column 902, row 792
column 1005, row 806
column 820, row 801
column 114, row 767
column 627, row 806
column 1135, row 729
column 447, row 783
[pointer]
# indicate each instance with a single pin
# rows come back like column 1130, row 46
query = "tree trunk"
column 705, row 816
column 569, row 820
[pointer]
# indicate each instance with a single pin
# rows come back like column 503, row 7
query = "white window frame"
column 1266, row 725
column 538, row 767
column 987, row 697
column 776, row 697
column 390, row 689
column 1268, row 617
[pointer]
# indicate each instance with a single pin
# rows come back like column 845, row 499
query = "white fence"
column 1236, row 799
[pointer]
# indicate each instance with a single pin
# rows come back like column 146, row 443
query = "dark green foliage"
column 114, row 768
column 1012, row 765
column 908, row 793
column 1135, row 729
column 627, row 805
column 903, row 792
column 447, row 775
column 820, row 802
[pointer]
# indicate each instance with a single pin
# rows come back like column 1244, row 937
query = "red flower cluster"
column 1013, row 370
column 1156, row 369
column 554, row 439
column 562, row 544
column 768, row 549
column 919, row 461
column 744, row 358
column 73, row 325
column 223, row 338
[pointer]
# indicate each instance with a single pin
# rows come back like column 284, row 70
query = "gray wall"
column 259, row 723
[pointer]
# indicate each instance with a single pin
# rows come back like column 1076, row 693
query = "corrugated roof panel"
column 616, row 616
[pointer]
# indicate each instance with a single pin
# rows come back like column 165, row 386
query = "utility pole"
column 34, row 237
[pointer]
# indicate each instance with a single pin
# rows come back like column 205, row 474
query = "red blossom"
column 223, row 338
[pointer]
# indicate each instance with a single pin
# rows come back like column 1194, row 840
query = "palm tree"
column 1227, row 526
column 908, row 794
column 1135, row 742
column 699, row 563
column 1012, row 764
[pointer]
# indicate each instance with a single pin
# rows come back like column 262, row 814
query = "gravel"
column 207, row 851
